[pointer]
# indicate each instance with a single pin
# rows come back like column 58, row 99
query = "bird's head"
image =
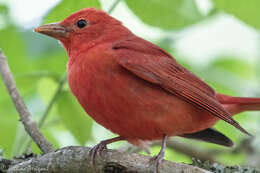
column 84, row 28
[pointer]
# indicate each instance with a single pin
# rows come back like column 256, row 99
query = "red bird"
column 137, row 90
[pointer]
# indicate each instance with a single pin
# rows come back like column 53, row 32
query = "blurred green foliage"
column 74, row 117
column 66, row 7
column 38, row 63
column 168, row 15
column 247, row 11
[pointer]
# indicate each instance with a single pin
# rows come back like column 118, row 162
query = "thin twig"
column 49, row 107
column 53, row 99
column 113, row 6
column 29, row 125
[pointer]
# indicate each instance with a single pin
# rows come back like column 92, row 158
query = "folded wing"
column 154, row 65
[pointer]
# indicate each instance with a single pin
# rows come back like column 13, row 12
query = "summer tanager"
column 137, row 90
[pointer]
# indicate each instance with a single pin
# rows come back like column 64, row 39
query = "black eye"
column 82, row 23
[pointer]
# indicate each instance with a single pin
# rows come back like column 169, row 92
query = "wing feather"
column 154, row 65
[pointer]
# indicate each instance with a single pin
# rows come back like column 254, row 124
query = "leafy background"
column 38, row 64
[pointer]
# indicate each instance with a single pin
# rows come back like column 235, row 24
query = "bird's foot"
column 159, row 157
column 96, row 151
column 157, row 160
column 100, row 147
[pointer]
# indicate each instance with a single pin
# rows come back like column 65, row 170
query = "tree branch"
column 29, row 125
column 76, row 159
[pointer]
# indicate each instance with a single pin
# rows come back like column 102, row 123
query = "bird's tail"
column 235, row 105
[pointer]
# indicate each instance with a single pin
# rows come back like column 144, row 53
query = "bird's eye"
column 82, row 23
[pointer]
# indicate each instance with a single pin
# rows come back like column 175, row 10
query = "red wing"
column 156, row 66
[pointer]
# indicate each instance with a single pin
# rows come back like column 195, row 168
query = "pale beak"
column 54, row 30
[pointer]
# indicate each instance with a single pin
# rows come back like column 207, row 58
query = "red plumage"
column 134, row 88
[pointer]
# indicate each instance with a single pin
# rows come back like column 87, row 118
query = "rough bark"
column 76, row 160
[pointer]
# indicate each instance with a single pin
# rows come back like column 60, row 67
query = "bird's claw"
column 99, row 148
column 96, row 151
column 157, row 160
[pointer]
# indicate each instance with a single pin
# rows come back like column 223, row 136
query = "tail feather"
column 225, row 99
column 212, row 136
column 239, row 104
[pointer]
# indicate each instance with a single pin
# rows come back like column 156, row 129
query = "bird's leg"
column 97, row 149
column 159, row 157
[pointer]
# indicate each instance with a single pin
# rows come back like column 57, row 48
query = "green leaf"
column 4, row 9
column 247, row 11
column 66, row 7
column 166, row 14
column 8, row 124
column 54, row 63
column 13, row 46
column 74, row 117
